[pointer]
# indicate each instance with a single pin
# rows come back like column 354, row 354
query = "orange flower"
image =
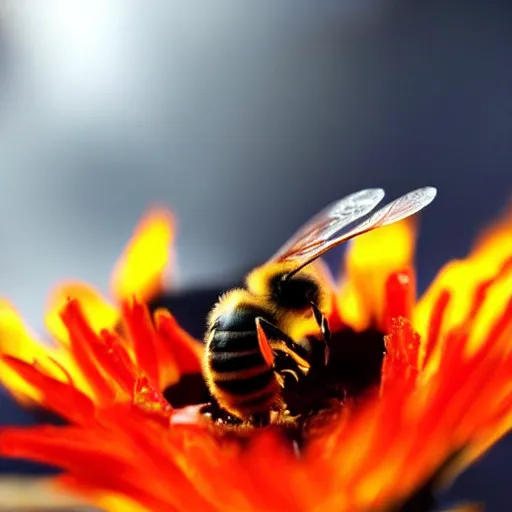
column 440, row 397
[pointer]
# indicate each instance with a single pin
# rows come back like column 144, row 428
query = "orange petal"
column 99, row 313
column 369, row 261
column 116, row 361
column 61, row 397
column 83, row 345
column 393, row 430
column 143, row 338
column 81, row 452
column 140, row 269
column 178, row 352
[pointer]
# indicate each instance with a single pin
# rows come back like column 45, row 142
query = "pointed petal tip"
column 142, row 266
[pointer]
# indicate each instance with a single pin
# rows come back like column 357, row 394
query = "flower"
column 437, row 398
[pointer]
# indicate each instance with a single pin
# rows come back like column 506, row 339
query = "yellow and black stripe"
column 241, row 380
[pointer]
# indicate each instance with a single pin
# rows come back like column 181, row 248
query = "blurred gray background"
column 245, row 118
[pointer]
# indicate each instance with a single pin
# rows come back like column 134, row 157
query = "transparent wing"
column 311, row 247
column 328, row 222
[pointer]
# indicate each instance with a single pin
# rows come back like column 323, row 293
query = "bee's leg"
column 275, row 344
column 324, row 329
column 287, row 357
column 261, row 419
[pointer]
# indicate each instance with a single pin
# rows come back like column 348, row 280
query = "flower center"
column 353, row 371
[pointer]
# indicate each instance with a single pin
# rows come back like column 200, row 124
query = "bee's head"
column 292, row 292
column 295, row 292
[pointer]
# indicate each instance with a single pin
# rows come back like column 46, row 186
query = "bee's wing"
column 330, row 221
column 323, row 231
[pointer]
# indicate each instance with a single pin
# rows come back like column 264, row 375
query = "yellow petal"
column 495, row 243
column 100, row 313
column 352, row 308
column 493, row 307
column 370, row 260
column 140, row 269
column 17, row 341
column 464, row 278
column 115, row 502
column 461, row 279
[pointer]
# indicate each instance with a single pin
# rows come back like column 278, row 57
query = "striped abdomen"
column 239, row 377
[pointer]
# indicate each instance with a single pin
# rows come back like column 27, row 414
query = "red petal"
column 400, row 362
column 400, row 296
column 186, row 351
column 143, row 336
column 118, row 460
column 61, row 397
column 482, row 289
column 118, row 362
column 436, row 323
column 83, row 342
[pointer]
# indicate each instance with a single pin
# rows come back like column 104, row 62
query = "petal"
column 441, row 407
column 85, row 455
column 468, row 281
column 140, row 269
column 400, row 294
column 494, row 245
column 401, row 361
column 116, row 361
column 84, row 346
column 100, row 314
column 16, row 341
column 103, row 500
column 110, row 501
column 369, row 261
column 178, row 352
column 496, row 304
column 143, row 338
column 61, row 397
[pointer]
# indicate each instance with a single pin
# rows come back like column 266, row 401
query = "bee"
column 255, row 339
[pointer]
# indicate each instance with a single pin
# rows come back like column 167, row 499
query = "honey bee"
column 255, row 338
